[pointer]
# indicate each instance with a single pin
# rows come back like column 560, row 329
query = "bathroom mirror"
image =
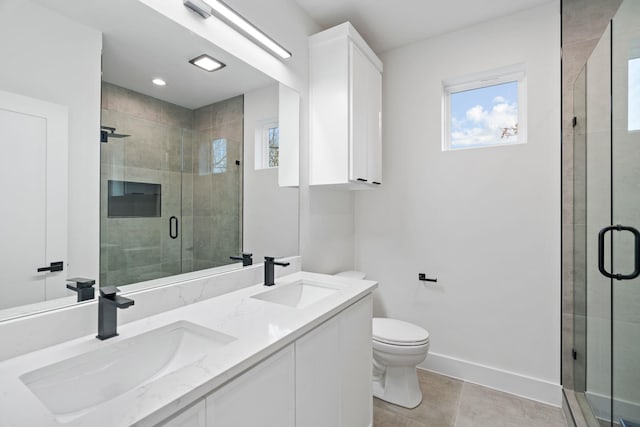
column 162, row 181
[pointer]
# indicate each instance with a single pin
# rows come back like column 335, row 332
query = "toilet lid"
column 398, row 332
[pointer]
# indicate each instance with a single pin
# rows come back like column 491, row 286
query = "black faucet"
column 84, row 288
column 269, row 262
column 245, row 258
column 108, row 305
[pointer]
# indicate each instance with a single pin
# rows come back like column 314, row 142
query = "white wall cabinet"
column 323, row 379
column 333, row 371
column 345, row 81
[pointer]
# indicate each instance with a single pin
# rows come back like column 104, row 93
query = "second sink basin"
column 298, row 294
column 71, row 387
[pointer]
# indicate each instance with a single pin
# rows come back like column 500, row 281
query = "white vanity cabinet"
column 262, row 396
column 194, row 416
column 333, row 371
column 345, row 85
column 322, row 379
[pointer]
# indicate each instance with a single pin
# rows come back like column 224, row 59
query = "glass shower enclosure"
column 607, row 220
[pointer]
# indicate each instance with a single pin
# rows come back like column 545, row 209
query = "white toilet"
column 398, row 347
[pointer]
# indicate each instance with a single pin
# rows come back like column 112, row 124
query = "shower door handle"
column 173, row 227
column 636, row 252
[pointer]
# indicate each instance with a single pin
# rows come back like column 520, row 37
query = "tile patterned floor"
column 448, row 402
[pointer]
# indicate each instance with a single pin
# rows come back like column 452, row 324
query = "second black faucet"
column 269, row 275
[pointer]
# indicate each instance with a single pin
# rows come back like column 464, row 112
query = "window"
column 485, row 110
column 212, row 157
column 273, row 135
column 219, row 156
column 267, row 146
column 633, row 123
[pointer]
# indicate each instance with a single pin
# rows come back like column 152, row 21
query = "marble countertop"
column 261, row 328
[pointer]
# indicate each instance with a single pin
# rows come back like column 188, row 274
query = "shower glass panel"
column 592, row 212
column 187, row 162
column 626, row 211
column 607, row 257
column 212, row 198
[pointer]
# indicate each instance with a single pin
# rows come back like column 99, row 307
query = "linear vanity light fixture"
column 207, row 63
column 230, row 16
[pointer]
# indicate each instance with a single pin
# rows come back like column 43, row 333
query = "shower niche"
column 128, row 199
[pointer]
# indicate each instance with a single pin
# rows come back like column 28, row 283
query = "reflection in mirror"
column 188, row 171
column 179, row 172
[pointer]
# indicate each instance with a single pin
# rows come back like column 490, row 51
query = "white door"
column 374, row 126
column 33, row 188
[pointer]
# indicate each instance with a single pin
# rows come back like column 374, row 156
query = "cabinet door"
column 358, row 110
column 263, row 396
column 194, row 416
column 318, row 376
column 356, row 365
column 333, row 371
column 374, row 126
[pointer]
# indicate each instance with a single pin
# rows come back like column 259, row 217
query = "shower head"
column 107, row 132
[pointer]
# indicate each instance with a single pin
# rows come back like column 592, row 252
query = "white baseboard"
column 509, row 382
column 601, row 406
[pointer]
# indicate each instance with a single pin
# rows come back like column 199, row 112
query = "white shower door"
column 33, row 187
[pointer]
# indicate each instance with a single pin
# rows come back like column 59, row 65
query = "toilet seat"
column 398, row 332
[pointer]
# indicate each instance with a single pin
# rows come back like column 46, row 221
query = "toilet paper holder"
column 424, row 278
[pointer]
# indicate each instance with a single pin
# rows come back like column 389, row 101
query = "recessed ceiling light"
column 159, row 82
column 207, row 63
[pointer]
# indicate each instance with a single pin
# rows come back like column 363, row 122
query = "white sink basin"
column 298, row 294
column 72, row 387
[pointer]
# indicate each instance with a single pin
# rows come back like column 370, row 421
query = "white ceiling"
column 139, row 44
column 387, row 24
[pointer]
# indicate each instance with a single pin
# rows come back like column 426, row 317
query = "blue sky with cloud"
column 478, row 116
column 634, row 94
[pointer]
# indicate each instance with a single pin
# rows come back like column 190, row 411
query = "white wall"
column 49, row 57
column 485, row 222
column 270, row 225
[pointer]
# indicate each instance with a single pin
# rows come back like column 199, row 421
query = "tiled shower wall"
column 163, row 148
column 218, row 195
column 583, row 23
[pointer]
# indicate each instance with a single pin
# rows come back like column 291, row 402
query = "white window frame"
column 514, row 73
column 262, row 143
